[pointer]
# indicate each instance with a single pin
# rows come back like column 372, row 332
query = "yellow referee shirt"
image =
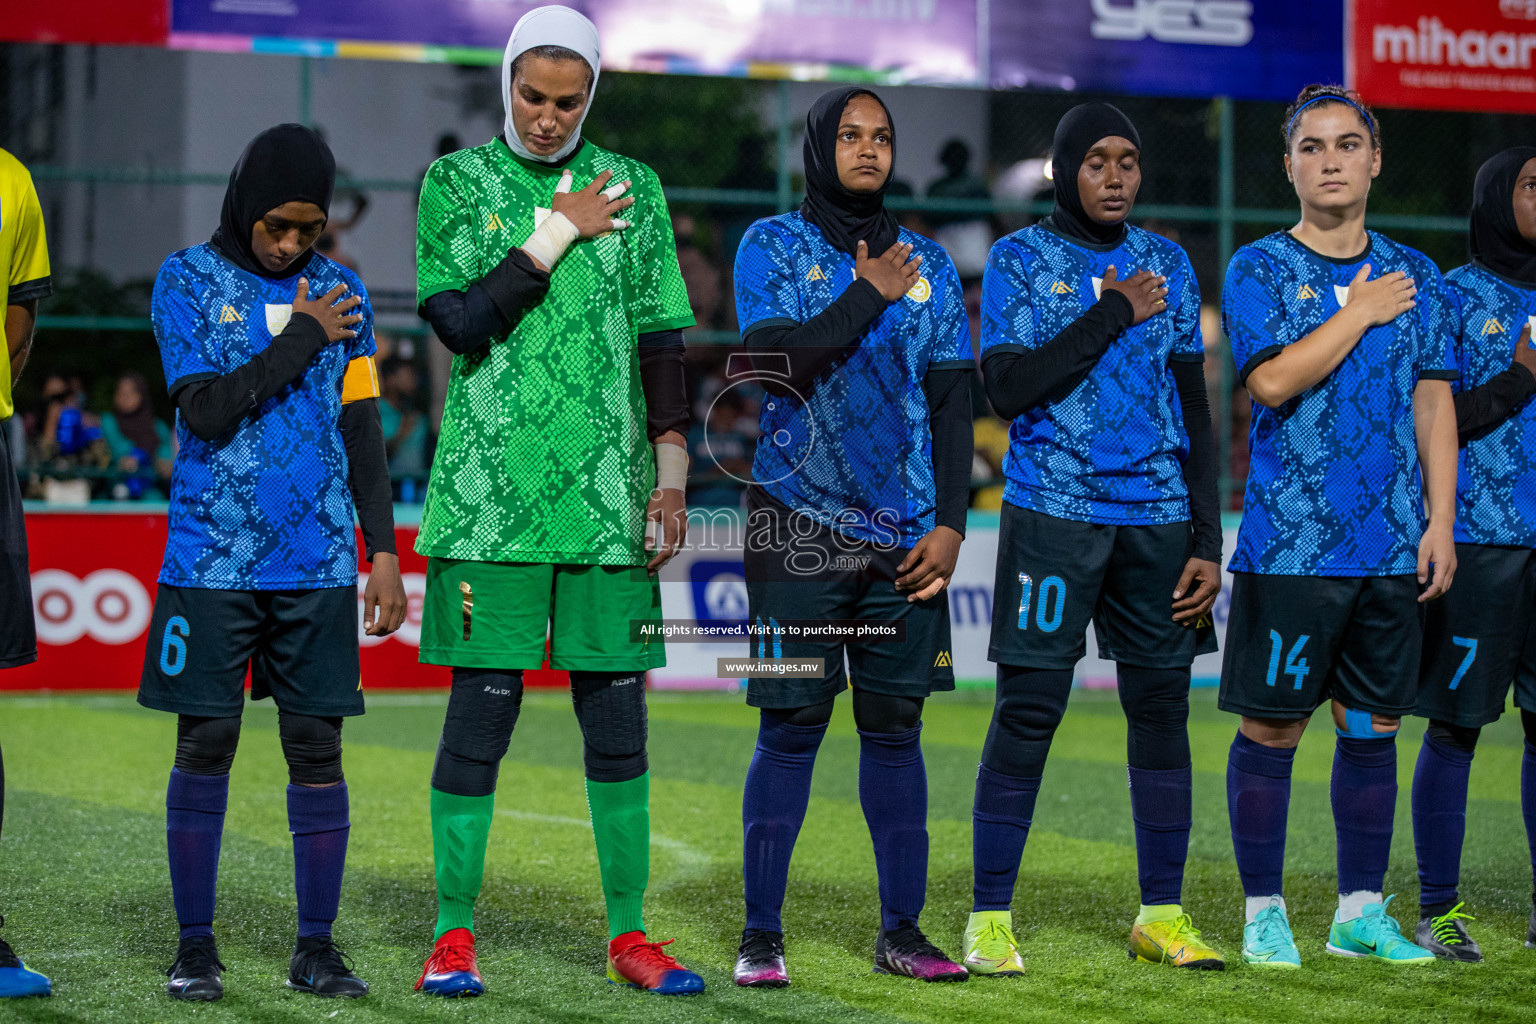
column 23, row 254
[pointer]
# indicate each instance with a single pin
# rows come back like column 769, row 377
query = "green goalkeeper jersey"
column 543, row 454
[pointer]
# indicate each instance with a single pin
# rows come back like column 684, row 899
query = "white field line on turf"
column 691, row 861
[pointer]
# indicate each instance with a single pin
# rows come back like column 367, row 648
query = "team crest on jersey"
column 1492, row 326
column 1061, row 288
column 1341, row 293
column 540, row 215
column 1532, row 321
column 230, row 315
column 278, row 315
column 815, row 274
column 1305, row 292
column 1098, row 287
column 943, row 660
column 919, row 292
column 494, row 223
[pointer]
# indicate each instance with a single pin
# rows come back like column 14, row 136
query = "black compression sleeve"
column 368, row 475
column 211, row 407
column 1200, row 467
column 661, row 379
column 1480, row 409
column 954, row 443
column 822, row 340
column 466, row 320
column 1020, row 379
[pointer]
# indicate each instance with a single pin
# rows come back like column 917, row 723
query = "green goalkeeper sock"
column 621, row 825
column 460, row 827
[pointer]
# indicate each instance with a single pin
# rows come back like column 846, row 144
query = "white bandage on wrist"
column 671, row 467
column 550, row 239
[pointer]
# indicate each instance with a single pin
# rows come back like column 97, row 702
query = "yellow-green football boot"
column 1174, row 940
column 990, row 947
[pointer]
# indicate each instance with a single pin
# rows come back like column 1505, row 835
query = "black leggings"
column 311, row 746
column 1030, row 704
column 872, row 712
column 483, row 708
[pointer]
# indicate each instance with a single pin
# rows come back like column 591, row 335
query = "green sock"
column 1158, row 912
column 460, row 827
column 621, row 824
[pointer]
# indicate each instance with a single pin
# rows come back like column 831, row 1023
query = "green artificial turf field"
column 84, row 887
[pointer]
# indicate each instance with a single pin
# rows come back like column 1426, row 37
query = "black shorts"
column 300, row 646
column 797, row 570
column 1294, row 642
column 1055, row 576
column 18, row 631
column 1479, row 637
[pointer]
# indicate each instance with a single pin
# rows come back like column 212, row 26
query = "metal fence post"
column 784, row 196
column 304, row 89
column 1226, row 219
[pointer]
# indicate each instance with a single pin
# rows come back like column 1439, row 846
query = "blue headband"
column 1330, row 98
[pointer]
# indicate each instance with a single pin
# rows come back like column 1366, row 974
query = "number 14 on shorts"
column 1295, row 665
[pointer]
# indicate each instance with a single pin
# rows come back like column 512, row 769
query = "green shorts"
column 498, row 614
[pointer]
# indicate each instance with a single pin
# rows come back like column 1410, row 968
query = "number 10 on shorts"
column 1053, row 600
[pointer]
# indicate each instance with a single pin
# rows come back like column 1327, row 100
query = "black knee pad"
column 206, row 746
column 482, row 712
column 1028, row 708
column 610, row 708
column 1457, row 737
column 881, row 712
column 807, row 717
column 312, row 748
column 1156, row 704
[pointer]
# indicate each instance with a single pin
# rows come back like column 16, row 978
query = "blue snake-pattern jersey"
column 1496, row 475
column 1112, row 449
column 856, row 453
column 1333, row 479
column 265, row 506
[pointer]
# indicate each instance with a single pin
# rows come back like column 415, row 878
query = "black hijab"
column 1076, row 133
column 1494, row 240
column 845, row 218
column 281, row 165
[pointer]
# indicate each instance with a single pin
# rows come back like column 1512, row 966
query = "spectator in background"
column 329, row 242
column 138, row 444
column 721, row 455
column 701, row 275
column 405, row 429
column 967, row 237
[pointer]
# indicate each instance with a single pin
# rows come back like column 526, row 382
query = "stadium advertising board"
column 1167, row 47
column 885, row 40
column 107, row 22
column 1477, row 55
column 92, row 604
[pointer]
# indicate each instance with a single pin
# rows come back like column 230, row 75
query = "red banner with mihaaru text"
column 1474, row 55
column 93, row 588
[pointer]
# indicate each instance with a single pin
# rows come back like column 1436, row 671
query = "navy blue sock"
column 1439, row 818
column 317, row 817
column 772, row 810
column 893, row 789
column 1162, row 808
column 1528, row 804
column 1258, row 803
column 1364, row 792
column 1000, row 820
column 194, row 831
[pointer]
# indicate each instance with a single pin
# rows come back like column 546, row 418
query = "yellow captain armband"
column 361, row 381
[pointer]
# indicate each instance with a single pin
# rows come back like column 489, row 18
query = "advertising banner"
column 1258, row 51
column 106, row 22
column 93, row 588
column 886, row 40
column 1474, row 55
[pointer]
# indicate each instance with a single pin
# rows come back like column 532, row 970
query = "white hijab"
column 548, row 26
